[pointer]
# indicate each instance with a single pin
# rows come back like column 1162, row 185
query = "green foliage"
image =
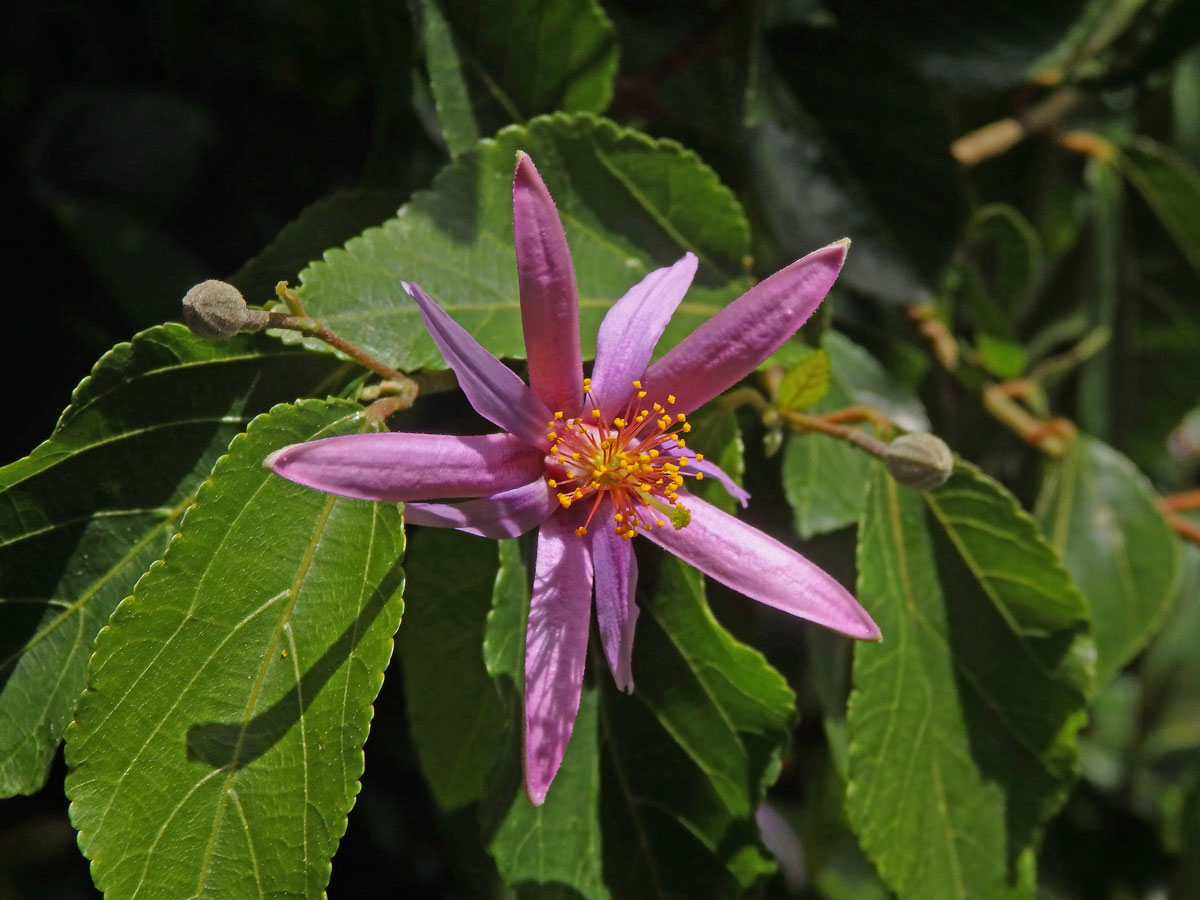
column 947, row 739
column 629, row 204
column 492, row 64
column 88, row 511
column 235, row 768
column 687, row 758
column 1020, row 184
column 824, row 480
column 1099, row 513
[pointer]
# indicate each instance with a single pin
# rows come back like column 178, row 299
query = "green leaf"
column 967, row 46
column 549, row 850
column 686, row 759
column 629, row 204
column 995, row 280
column 862, row 152
column 553, row 848
column 806, row 382
column 1172, row 189
column 217, row 749
column 85, row 514
column 491, row 64
column 962, row 722
column 1111, row 42
column 329, row 222
column 1099, row 285
column 824, row 479
column 1100, row 514
column 454, row 711
column 1003, row 358
column 716, row 433
column 447, row 79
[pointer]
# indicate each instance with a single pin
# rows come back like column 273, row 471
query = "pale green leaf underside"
column 629, row 204
column 217, row 750
column 1099, row 512
column 962, row 722
column 84, row 515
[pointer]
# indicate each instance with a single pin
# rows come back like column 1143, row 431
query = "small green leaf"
column 85, row 514
column 686, row 758
column 805, row 383
column 824, row 479
column 217, row 749
column 962, row 722
column 1003, row 358
column 629, row 205
column 454, row 711
column 1100, row 514
column 490, row 65
column 1006, row 250
column 1172, row 189
column 447, row 78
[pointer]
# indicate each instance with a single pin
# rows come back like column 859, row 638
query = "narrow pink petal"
column 503, row 515
column 555, row 649
column 616, row 611
column 495, row 391
column 549, row 299
column 730, row 345
column 397, row 466
column 631, row 330
column 712, row 470
column 750, row 562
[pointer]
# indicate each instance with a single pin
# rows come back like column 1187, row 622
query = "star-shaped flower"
column 592, row 462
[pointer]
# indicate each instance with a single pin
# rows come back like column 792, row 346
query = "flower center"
column 632, row 459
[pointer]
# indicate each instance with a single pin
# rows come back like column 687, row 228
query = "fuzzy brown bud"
column 920, row 461
column 216, row 309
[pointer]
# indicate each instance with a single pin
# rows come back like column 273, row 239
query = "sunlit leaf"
column 962, row 722
column 629, row 204
column 805, row 383
column 217, row 749
column 85, row 514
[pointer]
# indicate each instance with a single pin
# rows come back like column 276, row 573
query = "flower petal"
column 503, row 515
column 631, row 330
column 398, row 466
column 750, row 562
column 555, row 649
column 495, row 391
column 616, row 611
column 549, row 299
column 711, row 470
column 728, row 347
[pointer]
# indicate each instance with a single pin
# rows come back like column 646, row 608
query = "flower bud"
column 920, row 461
column 216, row 309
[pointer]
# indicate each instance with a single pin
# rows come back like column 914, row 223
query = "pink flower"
column 592, row 462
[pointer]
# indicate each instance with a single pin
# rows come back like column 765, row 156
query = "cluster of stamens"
column 626, row 460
